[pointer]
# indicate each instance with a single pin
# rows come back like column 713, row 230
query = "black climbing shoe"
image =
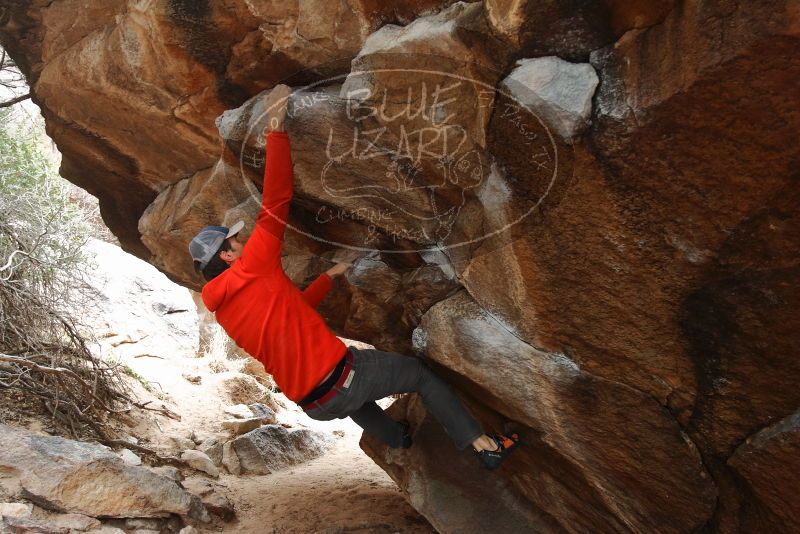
column 505, row 444
column 407, row 441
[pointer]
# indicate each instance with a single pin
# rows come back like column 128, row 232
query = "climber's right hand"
column 276, row 103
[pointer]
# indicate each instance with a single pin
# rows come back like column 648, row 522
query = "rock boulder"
column 71, row 476
column 607, row 264
column 272, row 447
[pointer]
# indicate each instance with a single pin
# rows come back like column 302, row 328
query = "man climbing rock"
column 266, row 315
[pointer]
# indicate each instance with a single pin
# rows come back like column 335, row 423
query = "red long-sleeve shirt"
column 257, row 304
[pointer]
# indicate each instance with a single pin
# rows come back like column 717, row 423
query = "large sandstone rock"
column 557, row 91
column 451, row 488
column 574, row 27
column 631, row 277
column 158, row 73
column 570, row 28
column 70, row 476
column 438, row 50
column 561, row 404
column 183, row 207
column 273, row 447
column 768, row 462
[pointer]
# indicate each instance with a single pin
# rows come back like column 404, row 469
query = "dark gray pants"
column 378, row 374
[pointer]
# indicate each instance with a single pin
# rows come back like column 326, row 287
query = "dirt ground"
column 342, row 491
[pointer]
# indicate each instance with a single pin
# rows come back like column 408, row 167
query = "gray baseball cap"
column 206, row 243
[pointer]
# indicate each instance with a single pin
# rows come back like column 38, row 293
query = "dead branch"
column 17, row 100
column 162, row 410
column 171, row 460
column 44, row 352
column 59, row 370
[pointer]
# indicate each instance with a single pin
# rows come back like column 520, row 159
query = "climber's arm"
column 278, row 176
column 262, row 252
column 319, row 288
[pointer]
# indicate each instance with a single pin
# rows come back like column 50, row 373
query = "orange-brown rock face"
column 583, row 214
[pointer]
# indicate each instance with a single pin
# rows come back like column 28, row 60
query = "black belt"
column 325, row 391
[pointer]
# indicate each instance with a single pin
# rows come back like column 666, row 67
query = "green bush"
column 42, row 234
column 43, row 273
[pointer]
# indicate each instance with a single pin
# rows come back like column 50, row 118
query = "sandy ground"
column 150, row 325
column 342, row 491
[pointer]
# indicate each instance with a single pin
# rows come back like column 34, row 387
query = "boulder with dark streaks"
column 609, row 268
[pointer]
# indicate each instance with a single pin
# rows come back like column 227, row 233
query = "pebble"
column 129, row 457
column 15, row 509
column 240, row 411
column 201, row 462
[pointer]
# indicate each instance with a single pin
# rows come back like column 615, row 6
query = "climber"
column 266, row 315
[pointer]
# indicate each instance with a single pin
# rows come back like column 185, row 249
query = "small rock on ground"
column 15, row 509
column 201, row 462
column 129, row 457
